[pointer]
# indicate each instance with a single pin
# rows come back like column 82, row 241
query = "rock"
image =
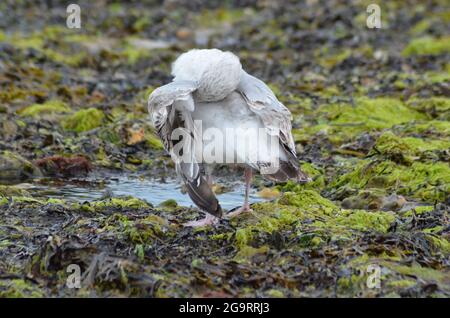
column 393, row 202
column 47, row 109
column 84, row 120
column 68, row 167
column 101, row 44
column 184, row 34
column 14, row 167
column 269, row 193
column 149, row 44
column 9, row 191
column 9, row 129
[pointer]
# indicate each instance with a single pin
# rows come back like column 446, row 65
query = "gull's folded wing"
column 170, row 107
column 277, row 120
column 263, row 102
column 162, row 113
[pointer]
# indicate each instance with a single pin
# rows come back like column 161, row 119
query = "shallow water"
column 153, row 191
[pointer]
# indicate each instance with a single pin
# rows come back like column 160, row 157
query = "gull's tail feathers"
column 287, row 171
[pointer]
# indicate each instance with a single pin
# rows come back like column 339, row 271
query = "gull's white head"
column 217, row 73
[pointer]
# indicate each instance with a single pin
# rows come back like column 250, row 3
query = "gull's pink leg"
column 208, row 220
column 246, row 206
column 210, row 180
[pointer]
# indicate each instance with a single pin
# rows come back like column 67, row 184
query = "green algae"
column 421, row 27
column 426, row 181
column 425, row 273
column 435, row 107
column 121, row 203
column 216, row 18
column 169, row 204
column 368, row 114
column 50, row 107
column 432, row 128
column 439, row 243
column 419, row 210
column 3, row 201
column 9, row 191
column 362, row 220
column 246, row 253
column 402, row 283
column 19, row 288
column 308, row 199
column 127, row 203
column 326, row 219
column 437, row 77
column 84, row 120
column 427, row 45
column 28, row 200
column 153, row 141
column 133, row 54
column 332, row 60
column 143, row 232
column 404, row 150
column 243, row 236
column 314, row 172
column 138, row 231
column 274, row 293
column 40, row 40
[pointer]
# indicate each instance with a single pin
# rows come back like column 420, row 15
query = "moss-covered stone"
column 170, row 204
column 368, row 114
column 435, row 107
column 3, row 201
column 120, row 203
column 307, row 199
column 9, row 191
column 48, row 108
column 314, row 172
column 426, row 181
column 362, row 220
column 427, row 46
column 84, row 120
column 15, row 167
column 246, row 253
column 405, row 150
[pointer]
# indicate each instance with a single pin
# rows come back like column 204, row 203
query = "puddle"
column 153, row 191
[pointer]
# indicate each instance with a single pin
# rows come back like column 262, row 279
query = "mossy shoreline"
column 370, row 123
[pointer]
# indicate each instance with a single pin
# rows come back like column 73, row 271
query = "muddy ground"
column 371, row 124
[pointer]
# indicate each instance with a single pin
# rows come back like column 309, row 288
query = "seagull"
column 210, row 96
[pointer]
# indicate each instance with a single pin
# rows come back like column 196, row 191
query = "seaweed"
column 370, row 123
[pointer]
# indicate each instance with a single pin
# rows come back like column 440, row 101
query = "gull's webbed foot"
column 208, row 220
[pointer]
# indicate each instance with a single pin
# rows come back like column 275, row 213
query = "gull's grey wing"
column 277, row 120
column 162, row 112
column 170, row 107
column 262, row 101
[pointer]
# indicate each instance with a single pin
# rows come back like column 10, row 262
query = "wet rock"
column 67, row 167
column 14, row 167
column 393, row 202
column 84, row 120
column 269, row 193
column 374, row 200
